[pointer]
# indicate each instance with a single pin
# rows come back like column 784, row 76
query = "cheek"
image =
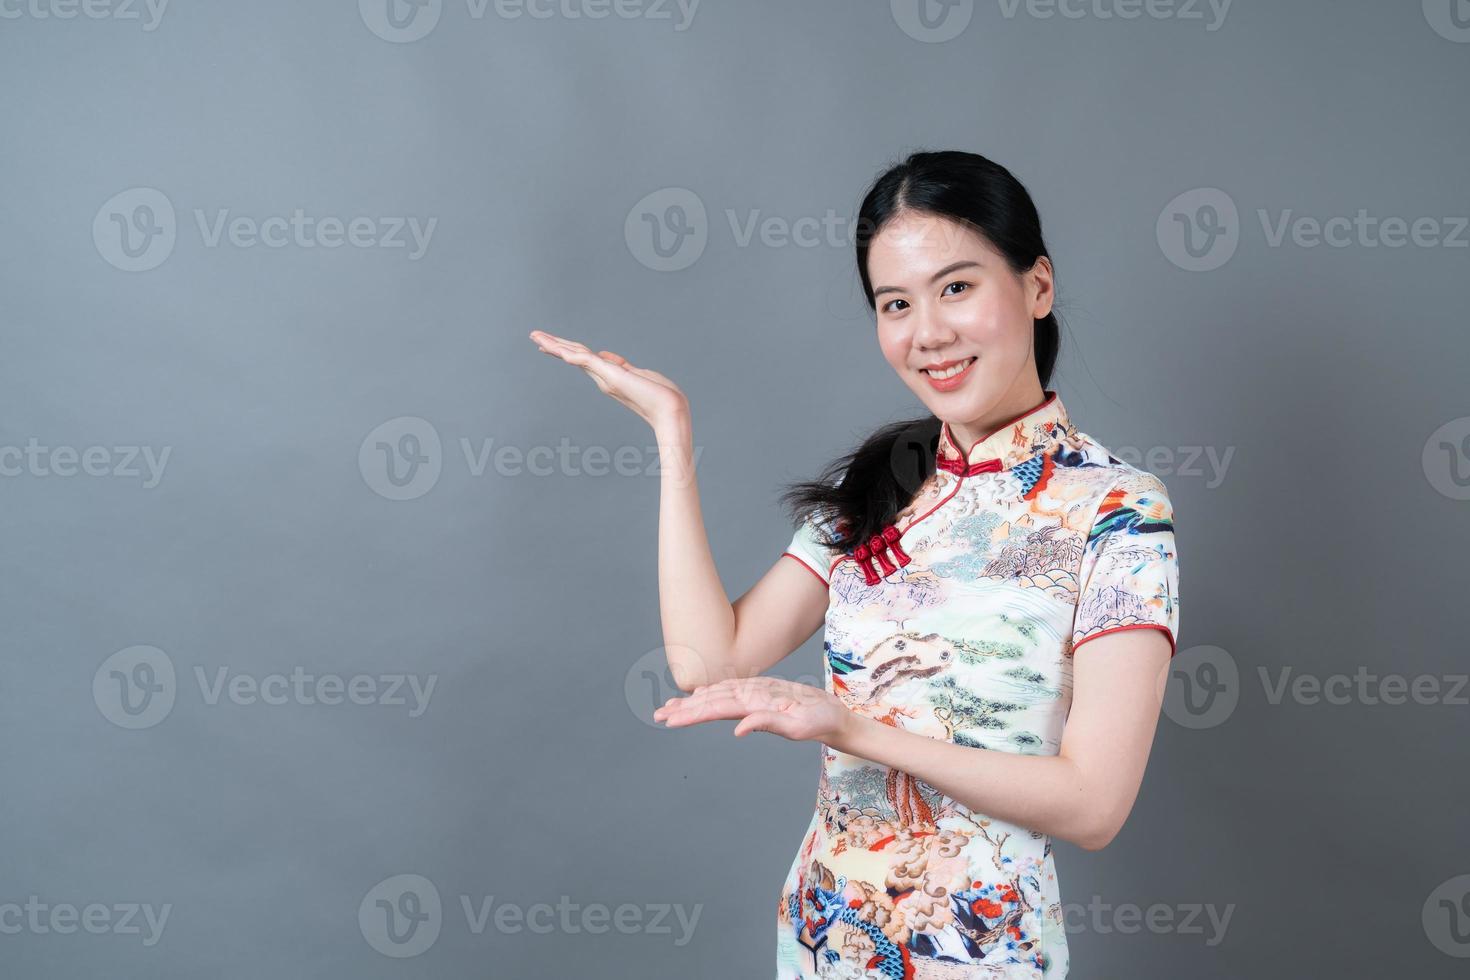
column 894, row 343
column 998, row 332
column 982, row 321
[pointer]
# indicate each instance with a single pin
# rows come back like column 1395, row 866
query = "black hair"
column 862, row 492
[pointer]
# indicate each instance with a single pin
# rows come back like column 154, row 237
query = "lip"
column 948, row 384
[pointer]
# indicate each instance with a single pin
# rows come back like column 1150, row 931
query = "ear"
column 1041, row 289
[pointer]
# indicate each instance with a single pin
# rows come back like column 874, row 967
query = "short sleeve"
column 808, row 548
column 1129, row 577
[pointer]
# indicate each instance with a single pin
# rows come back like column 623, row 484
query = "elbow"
column 686, row 676
column 1098, row 830
column 1095, row 840
column 691, row 671
column 684, row 683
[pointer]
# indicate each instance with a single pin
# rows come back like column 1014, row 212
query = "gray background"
column 1334, row 540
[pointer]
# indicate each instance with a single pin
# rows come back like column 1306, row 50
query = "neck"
column 1024, row 396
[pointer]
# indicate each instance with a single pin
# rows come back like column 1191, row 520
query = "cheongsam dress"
column 960, row 623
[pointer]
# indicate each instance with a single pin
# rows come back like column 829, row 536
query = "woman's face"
column 946, row 298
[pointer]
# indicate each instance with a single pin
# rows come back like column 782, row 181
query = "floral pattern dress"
column 960, row 622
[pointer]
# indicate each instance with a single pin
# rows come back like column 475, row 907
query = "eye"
column 962, row 285
column 886, row 306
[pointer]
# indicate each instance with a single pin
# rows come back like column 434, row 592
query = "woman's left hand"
column 799, row 712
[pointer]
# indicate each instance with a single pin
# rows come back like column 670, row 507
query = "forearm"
column 698, row 619
column 1050, row 794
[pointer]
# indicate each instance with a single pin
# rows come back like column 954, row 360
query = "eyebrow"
column 962, row 264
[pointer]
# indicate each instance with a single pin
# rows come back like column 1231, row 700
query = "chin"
column 961, row 405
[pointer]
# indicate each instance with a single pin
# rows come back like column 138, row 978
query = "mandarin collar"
column 1016, row 441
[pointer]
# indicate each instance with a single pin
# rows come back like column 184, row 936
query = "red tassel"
column 876, row 545
column 891, row 535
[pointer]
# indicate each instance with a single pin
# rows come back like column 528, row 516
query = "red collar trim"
column 1013, row 442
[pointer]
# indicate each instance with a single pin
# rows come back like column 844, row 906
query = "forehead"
column 912, row 242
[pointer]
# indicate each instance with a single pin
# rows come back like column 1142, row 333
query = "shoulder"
column 1107, row 483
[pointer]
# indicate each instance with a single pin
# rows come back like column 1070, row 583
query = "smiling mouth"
column 953, row 370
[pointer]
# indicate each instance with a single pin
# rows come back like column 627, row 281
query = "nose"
column 930, row 330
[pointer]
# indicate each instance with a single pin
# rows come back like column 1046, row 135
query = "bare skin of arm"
column 1083, row 794
column 716, row 648
column 707, row 638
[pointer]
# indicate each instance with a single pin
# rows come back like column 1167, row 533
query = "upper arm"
column 785, row 607
column 1118, row 683
column 1122, row 642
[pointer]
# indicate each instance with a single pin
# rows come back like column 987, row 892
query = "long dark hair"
column 861, row 493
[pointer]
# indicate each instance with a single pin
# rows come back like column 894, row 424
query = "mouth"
column 948, row 369
column 948, row 375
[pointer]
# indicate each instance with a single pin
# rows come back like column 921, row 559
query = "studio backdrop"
column 331, row 628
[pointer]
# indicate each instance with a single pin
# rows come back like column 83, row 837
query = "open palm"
column 655, row 398
column 799, row 712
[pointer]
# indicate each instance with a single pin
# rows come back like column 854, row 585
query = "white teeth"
column 949, row 372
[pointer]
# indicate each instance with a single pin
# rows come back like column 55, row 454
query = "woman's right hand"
column 656, row 399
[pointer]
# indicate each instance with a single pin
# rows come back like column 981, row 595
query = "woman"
column 1000, row 597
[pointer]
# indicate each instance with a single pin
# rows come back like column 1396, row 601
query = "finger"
column 653, row 375
column 594, row 365
column 666, row 709
column 608, row 355
column 693, row 711
column 727, row 704
column 563, row 347
column 761, row 721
